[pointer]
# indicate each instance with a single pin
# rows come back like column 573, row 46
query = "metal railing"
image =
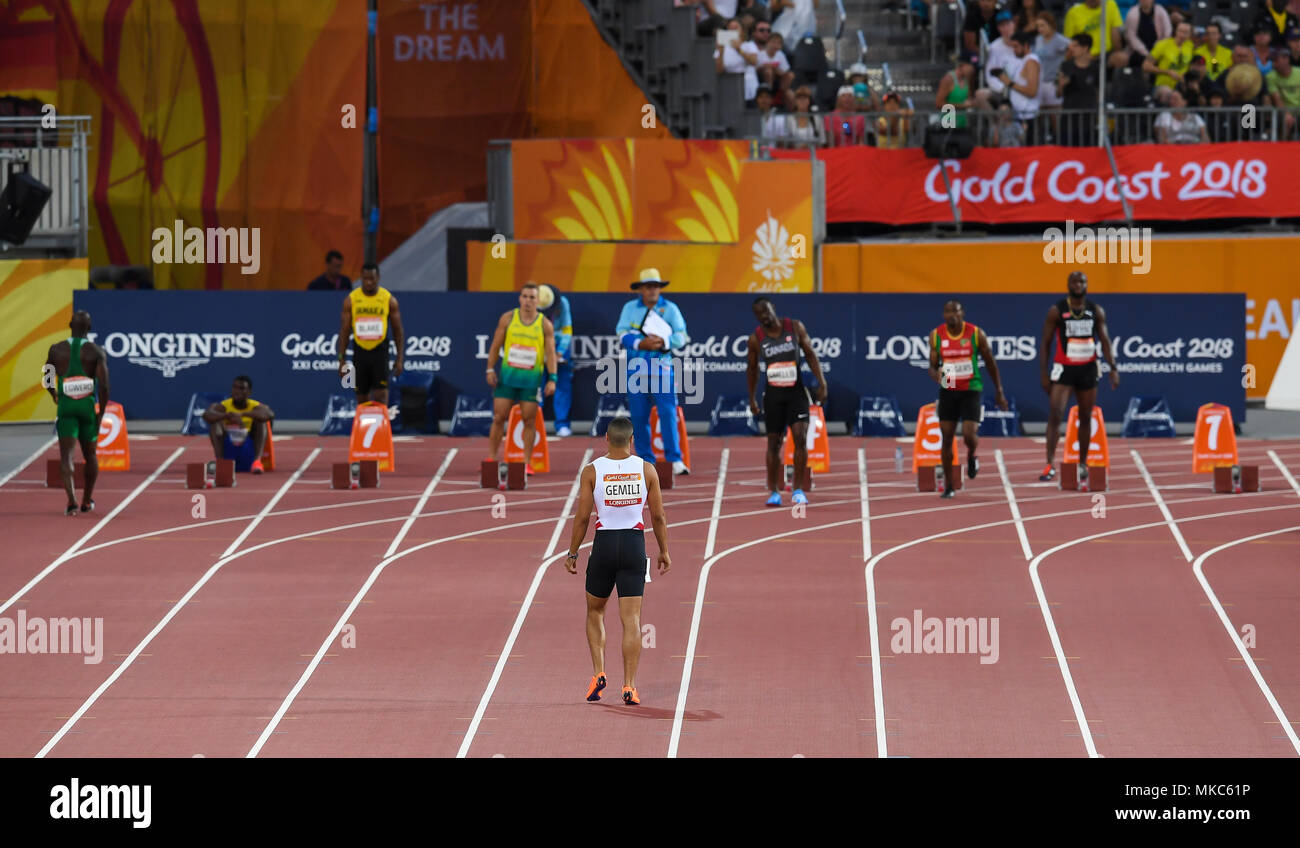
column 1066, row 127
column 57, row 157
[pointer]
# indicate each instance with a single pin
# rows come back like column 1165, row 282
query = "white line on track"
column 1160, row 502
column 717, row 503
column 523, row 613
column 1015, row 508
column 1285, row 473
column 72, row 551
column 1232, row 631
column 225, row 557
column 29, row 460
column 419, row 505
column 866, row 508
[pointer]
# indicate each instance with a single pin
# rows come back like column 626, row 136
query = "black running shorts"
column 1078, row 377
column 957, row 403
column 372, row 368
column 617, row 559
column 783, row 408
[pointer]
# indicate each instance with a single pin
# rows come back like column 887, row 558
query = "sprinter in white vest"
column 619, row 485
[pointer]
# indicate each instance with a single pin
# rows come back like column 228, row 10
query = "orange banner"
column 1252, row 265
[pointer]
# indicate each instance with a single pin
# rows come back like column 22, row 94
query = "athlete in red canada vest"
column 956, row 347
column 778, row 342
column 1071, row 332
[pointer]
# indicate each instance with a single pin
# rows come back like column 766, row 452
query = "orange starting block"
column 657, row 441
column 218, row 473
column 927, row 451
column 1214, row 444
column 1235, row 479
column 355, row 475
column 819, row 450
column 515, row 440
column 54, row 476
column 372, row 437
column 112, row 448
column 1098, row 454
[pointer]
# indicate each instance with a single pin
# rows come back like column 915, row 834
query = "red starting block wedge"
column 805, row 484
column 490, row 475
column 363, row 474
column 219, row 473
column 1235, row 479
column 1070, row 478
column 516, row 475
column 54, row 476
column 929, row 478
column 665, row 471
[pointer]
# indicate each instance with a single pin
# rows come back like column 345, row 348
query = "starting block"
column 363, row 474
column 517, row 475
column 54, row 476
column 929, row 478
column 219, row 473
column 1070, row 478
column 806, row 483
column 492, row 474
column 664, row 469
column 1235, row 479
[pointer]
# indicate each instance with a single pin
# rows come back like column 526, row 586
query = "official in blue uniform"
column 556, row 307
column 650, row 377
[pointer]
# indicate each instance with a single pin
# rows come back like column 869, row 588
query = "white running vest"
column 621, row 493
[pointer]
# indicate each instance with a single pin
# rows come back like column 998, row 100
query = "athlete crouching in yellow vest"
column 237, row 427
column 527, row 339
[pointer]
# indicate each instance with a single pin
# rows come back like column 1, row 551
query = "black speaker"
column 956, row 143
column 20, row 205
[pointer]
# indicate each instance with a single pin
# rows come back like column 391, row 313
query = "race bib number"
column 782, row 374
column 1078, row 327
column 959, row 369
column 76, row 388
column 1080, row 350
column 370, row 329
column 238, row 435
column 523, row 357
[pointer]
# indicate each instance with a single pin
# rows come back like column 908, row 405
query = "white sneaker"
column 563, row 431
column 679, row 467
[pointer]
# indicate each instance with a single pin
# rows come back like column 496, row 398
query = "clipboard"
column 653, row 324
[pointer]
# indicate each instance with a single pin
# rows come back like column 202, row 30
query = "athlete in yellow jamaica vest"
column 527, row 339
column 237, row 427
column 75, row 370
column 367, row 314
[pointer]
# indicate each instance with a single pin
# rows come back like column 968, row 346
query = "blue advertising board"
column 164, row 346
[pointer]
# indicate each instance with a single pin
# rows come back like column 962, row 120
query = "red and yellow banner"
column 35, row 307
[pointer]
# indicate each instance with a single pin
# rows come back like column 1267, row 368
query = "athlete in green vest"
column 524, row 342
column 67, row 377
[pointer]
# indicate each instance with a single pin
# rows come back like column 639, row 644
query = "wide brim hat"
column 545, row 297
column 649, row 276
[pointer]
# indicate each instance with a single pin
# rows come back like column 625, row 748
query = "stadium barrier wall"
column 35, row 306
column 165, row 346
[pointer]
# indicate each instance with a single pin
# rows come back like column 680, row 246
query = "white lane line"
column 1285, row 472
column 683, row 690
column 866, row 509
column 1164, row 510
column 717, row 504
column 1232, row 630
column 1015, row 507
column 126, row 663
column 72, row 551
column 29, row 460
column 419, row 505
column 523, row 613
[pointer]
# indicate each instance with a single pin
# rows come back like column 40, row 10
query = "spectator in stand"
column 1023, row 86
column 1007, row 132
column 332, row 279
column 1176, row 125
column 1176, row 17
column 1195, row 85
column 1026, row 15
column 955, row 90
column 739, row 56
column 755, row 8
column 802, row 125
column 1078, row 83
column 1293, row 44
column 1144, row 25
column 1217, row 57
column 1261, row 53
column 892, row 127
column 773, row 67
column 794, row 18
column 1169, row 61
column 1221, row 125
column 1284, row 90
column 1274, row 19
column 1051, row 49
column 858, row 76
column 771, row 122
column 846, row 125
column 1001, row 57
column 979, row 16
column 1085, row 17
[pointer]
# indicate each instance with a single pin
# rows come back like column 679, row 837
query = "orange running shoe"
column 630, row 696
column 257, row 467
column 1048, row 475
column 593, row 688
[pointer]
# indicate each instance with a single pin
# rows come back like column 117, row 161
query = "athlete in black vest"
column 1069, row 364
column 777, row 342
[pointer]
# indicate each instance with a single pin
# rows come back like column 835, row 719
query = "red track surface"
column 469, row 639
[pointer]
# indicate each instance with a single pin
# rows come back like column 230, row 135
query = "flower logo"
column 771, row 248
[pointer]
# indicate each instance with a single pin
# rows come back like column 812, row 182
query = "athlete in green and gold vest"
column 956, row 348
column 368, row 312
column 525, row 339
column 76, row 370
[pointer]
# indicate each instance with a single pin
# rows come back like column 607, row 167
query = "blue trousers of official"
column 639, row 403
column 562, row 400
